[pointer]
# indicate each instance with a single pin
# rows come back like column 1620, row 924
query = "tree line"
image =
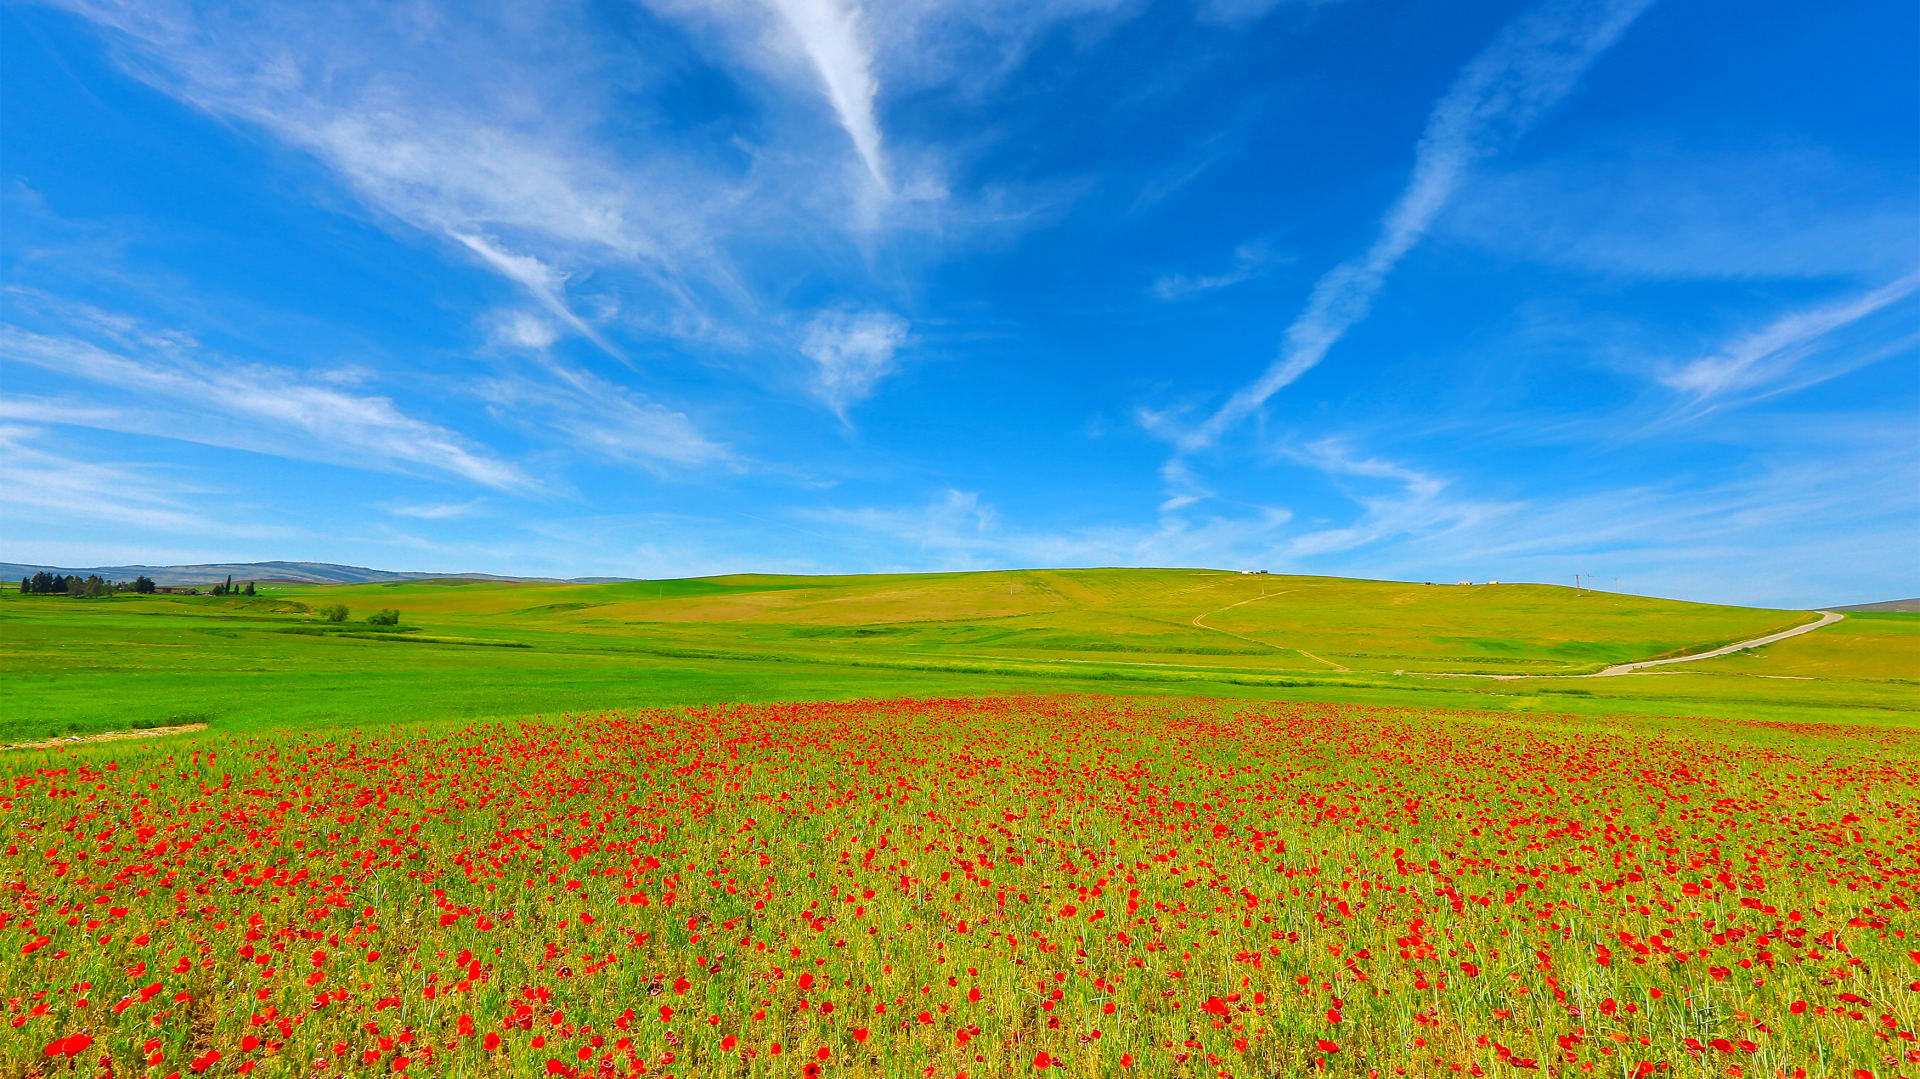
column 89, row 587
column 229, row 590
column 93, row 587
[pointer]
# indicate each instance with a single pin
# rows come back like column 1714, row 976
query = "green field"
column 467, row 649
column 1154, row 822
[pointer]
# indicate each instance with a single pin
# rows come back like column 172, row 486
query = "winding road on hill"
column 1827, row 618
column 1198, row 624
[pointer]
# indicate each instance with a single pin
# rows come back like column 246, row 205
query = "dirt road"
column 109, row 736
column 1827, row 618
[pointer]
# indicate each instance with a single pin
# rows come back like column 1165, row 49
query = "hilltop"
column 1179, row 617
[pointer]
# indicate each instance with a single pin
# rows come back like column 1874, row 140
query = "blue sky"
column 1419, row 291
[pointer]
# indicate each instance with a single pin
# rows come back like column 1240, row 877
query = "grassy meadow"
column 1076, row 823
column 471, row 649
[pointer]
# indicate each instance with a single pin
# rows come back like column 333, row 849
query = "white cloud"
column 957, row 530
column 557, row 156
column 547, row 284
column 490, row 134
column 837, row 46
column 1764, row 537
column 1183, row 487
column 1413, row 505
column 1531, row 65
column 523, row 329
column 254, row 407
column 600, row 417
column 851, row 351
column 434, row 511
column 46, row 487
column 1770, row 354
column 1250, row 260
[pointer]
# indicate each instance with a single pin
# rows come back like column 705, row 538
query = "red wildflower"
column 71, row 1045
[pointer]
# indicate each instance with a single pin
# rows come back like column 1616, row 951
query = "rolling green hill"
column 468, row 648
column 1185, row 617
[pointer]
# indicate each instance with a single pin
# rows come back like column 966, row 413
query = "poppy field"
column 1032, row 885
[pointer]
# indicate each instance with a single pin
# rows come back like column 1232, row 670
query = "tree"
column 384, row 617
column 334, row 612
column 248, row 590
column 143, row 585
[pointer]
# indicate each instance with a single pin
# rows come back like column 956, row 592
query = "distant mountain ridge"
column 293, row 572
column 1883, row 605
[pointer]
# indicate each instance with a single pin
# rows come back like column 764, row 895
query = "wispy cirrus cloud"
column 560, row 157
column 182, row 392
column 1764, row 536
column 606, row 420
column 547, row 285
column 836, row 43
column 493, row 136
column 959, row 530
column 1774, row 354
column 1182, row 485
column 1669, row 535
column 1398, row 502
column 1250, row 260
column 46, row 484
column 1531, row 65
column 435, row 511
